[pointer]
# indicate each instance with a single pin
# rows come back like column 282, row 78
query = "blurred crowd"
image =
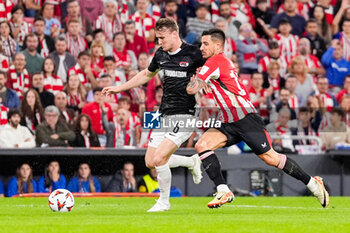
column 56, row 56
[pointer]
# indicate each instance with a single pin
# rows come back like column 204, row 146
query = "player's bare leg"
column 211, row 140
column 289, row 166
column 158, row 158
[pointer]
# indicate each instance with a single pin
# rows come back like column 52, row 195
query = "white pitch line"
column 270, row 207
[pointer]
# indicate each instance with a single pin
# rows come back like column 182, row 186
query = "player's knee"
column 149, row 163
column 270, row 159
column 200, row 146
column 159, row 161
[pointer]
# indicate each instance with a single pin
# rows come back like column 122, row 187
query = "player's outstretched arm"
column 141, row 78
column 195, row 85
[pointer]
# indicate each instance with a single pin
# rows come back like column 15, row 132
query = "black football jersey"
column 178, row 69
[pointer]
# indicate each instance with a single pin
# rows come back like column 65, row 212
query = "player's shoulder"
column 188, row 48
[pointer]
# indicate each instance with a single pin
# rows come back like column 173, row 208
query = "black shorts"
column 251, row 130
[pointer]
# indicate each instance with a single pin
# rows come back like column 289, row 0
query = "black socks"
column 212, row 166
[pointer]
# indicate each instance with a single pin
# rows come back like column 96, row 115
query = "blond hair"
column 296, row 60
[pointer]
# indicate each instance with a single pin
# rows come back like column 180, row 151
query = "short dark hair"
column 124, row 99
column 129, row 22
column 305, row 109
column 60, row 38
column 346, row 20
column 215, row 33
column 170, row 1
column 97, row 89
column 257, row 73
column 312, row 20
column 16, row 8
column 109, row 58
column 39, row 18
column 117, row 34
column 3, row 73
column 339, row 111
column 202, row 5
column 96, row 31
column 273, row 44
column 13, row 111
column 37, row 73
column 71, row 1
column 284, row 89
column 105, row 75
column 73, row 21
column 167, row 23
column 284, row 21
column 84, row 53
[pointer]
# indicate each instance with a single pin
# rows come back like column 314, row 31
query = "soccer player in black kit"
column 179, row 62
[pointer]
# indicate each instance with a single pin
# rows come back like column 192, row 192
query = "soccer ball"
column 61, row 200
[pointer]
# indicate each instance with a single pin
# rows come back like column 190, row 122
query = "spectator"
column 149, row 182
column 134, row 42
column 243, row 13
column 248, row 47
column 337, row 132
column 274, row 79
column 285, row 100
column 84, row 71
column 18, row 75
column 13, row 135
column 263, row 16
column 76, row 93
column 66, row 114
column 63, row 60
column 9, row 45
column 337, row 67
column 110, row 21
column 280, row 128
column 320, row 118
column 345, row 105
column 123, row 180
column 8, row 96
column 145, row 24
column 6, row 7
column 34, row 62
column 133, row 122
column 100, row 36
column 47, row 44
column 53, row 132
column 32, row 110
column 19, row 27
column 258, row 95
column 76, row 42
column 4, row 63
column 346, row 89
column 23, row 182
column 305, row 83
column 197, row 25
column 32, row 7
column 91, row 9
column 305, row 128
column 46, row 97
column 125, row 59
column 274, row 54
column 297, row 22
column 84, row 134
column 73, row 10
column 170, row 11
column 230, row 48
column 324, row 29
column 328, row 9
column 97, row 55
column 52, row 179
column 94, row 111
column 110, row 67
column 344, row 37
column 318, row 45
column 312, row 62
column 327, row 99
column 3, row 113
column 84, row 182
column 52, row 25
column 342, row 15
column 232, row 24
column 52, row 82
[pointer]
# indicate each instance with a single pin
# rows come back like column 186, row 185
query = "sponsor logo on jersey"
column 175, row 73
column 183, row 63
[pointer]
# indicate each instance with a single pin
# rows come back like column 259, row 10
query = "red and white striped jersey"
column 327, row 101
column 293, row 102
column 122, row 59
column 23, row 31
column 229, row 93
column 110, row 28
column 265, row 61
column 118, row 77
column 53, row 84
column 127, row 136
column 44, row 52
column 5, row 10
column 77, row 70
column 156, row 12
column 329, row 14
column 312, row 62
column 144, row 26
column 230, row 47
column 254, row 96
column 4, row 63
column 288, row 46
column 345, row 40
column 75, row 46
column 20, row 83
column 3, row 115
column 243, row 13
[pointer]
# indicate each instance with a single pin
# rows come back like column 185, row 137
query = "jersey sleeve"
column 154, row 63
column 210, row 70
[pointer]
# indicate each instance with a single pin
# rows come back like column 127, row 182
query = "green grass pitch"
column 245, row 214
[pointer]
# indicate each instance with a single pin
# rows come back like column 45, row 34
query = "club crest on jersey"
column 183, row 63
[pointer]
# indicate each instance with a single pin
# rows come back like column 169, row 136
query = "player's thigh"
column 211, row 140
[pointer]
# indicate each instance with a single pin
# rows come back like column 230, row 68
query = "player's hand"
column 110, row 91
column 206, row 89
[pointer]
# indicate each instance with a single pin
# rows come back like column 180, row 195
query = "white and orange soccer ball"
column 61, row 200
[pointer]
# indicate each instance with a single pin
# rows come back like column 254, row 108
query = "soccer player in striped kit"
column 240, row 122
